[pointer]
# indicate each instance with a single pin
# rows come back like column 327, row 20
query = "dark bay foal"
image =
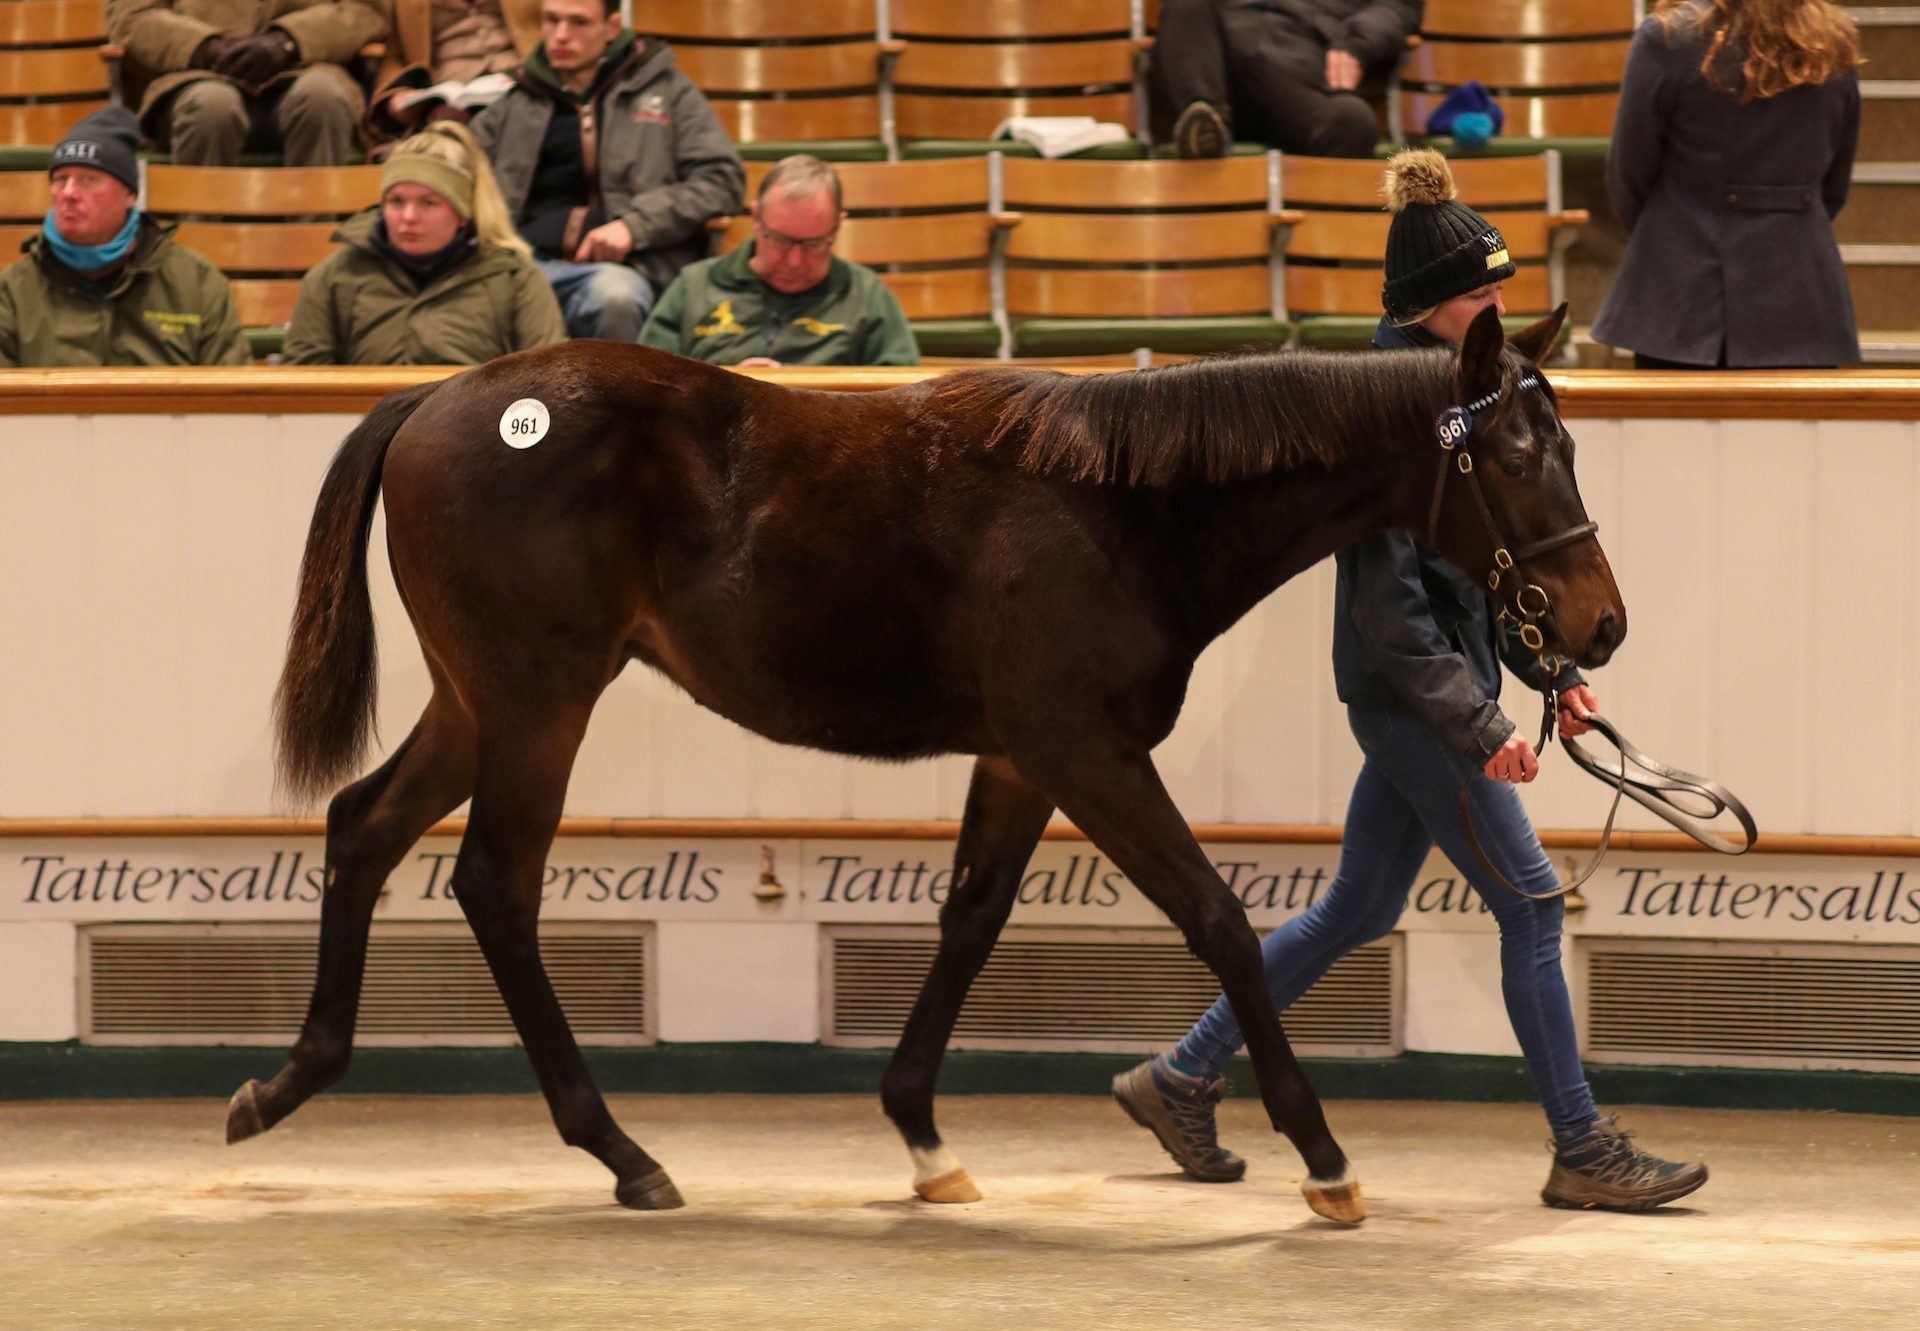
column 1021, row 566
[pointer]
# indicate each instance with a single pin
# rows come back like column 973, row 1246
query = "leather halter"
column 1655, row 790
column 1453, row 427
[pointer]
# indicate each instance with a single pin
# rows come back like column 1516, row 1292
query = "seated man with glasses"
column 784, row 298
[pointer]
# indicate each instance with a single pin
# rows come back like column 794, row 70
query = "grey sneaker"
column 1200, row 132
column 1178, row 1109
column 1603, row 1170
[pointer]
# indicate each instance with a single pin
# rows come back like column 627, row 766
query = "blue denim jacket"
column 1413, row 634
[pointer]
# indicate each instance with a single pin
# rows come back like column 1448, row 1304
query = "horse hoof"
column 243, row 1114
column 649, row 1192
column 953, row 1186
column 1338, row 1199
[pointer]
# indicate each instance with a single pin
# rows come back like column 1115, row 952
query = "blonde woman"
column 434, row 274
column 1732, row 152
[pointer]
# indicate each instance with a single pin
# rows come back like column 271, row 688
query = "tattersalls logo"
column 680, row 878
column 119, row 880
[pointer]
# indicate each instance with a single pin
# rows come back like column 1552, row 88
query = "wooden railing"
column 1866, row 394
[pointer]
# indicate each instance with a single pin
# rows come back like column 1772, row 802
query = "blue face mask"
column 87, row 258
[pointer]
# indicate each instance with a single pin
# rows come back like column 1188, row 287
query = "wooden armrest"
column 1288, row 217
column 893, row 46
column 373, row 50
column 1144, row 43
column 1569, row 217
column 720, row 223
column 111, row 52
column 1008, row 219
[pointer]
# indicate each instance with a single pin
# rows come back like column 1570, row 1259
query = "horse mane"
column 1210, row 421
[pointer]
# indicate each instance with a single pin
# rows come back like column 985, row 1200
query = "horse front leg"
column 370, row 825
column 1124, row 809
column 1004, row 819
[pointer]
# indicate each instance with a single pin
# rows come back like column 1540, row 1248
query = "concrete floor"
column 467, row 1212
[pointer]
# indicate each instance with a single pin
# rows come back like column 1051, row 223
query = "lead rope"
column 1655, row 792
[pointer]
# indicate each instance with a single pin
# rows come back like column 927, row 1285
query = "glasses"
column 812, row 246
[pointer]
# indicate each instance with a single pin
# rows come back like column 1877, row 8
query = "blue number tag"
column 1452, row 426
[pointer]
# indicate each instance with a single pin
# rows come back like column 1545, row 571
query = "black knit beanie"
column 1437, row 248
column 106, row 141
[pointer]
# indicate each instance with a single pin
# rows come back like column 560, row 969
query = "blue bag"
column 1469, row 114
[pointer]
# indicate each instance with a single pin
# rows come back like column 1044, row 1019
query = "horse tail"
column 323, row 710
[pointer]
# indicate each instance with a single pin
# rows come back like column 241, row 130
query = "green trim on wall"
column 75, row 1071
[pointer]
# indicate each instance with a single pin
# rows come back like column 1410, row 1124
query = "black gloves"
column 256, row 60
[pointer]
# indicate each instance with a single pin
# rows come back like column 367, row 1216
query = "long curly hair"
column 1782, row 43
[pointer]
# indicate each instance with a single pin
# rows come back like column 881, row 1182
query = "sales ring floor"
column 389, row 1211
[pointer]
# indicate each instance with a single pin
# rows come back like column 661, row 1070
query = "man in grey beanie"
column 103, row 284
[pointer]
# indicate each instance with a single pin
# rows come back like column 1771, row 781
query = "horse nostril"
column 1607, row 632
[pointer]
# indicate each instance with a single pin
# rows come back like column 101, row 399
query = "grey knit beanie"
column 106, row 141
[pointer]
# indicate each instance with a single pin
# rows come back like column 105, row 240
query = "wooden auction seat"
column 264, row 227
column 1554, row 66
column 51, row 73
column 928, row 228
column 1108, row 256
column 783, row 77
column 23, row 206
column 1334, row 257
column 960, row 69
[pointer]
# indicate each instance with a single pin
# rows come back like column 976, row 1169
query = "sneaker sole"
column 1141, row 1119
column 1605, row 1199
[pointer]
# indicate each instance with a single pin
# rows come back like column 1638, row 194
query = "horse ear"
column 1535, row 342
column 1479, row 365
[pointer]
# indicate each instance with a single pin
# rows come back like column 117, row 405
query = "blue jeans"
column 599, row 299
column 1407, row 798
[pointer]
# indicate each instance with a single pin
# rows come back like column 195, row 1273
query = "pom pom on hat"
column 1418, row 176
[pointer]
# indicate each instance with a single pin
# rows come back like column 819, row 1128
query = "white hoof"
column 1338, row 1199
column 939, row 1177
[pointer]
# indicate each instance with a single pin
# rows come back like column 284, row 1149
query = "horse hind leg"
column 521, row 785
column 370, row 826
column 1004, row 819
column 1125, row 811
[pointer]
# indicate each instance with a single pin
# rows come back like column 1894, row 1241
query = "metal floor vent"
column 1802, row 1005
column 426, row 984
column 1105, row 990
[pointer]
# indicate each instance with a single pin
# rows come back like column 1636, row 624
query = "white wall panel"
column 39, row 981
column 1768, row 568
column 739, row 981
column 1863, row 596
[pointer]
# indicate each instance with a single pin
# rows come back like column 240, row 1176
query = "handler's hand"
column 611, row 243
column 1343, row 71
column 1514, row 762
column 1576, row 704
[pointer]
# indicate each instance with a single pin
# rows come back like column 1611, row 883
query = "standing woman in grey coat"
column 1732, row 153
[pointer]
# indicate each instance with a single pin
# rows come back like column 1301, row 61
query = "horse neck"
column 1241, row 541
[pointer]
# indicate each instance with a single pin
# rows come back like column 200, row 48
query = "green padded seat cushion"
column 265, row 342
column 923, row 150
column 1334, row 332
column 13, row 157
column 1240, row 148
column 957, row 337
column 1579, row 148
column 1088, row 337
column 827, row 150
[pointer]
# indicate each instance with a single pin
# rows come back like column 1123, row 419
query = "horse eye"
column 1517, row 470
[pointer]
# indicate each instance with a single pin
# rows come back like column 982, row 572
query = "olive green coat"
column 359, row 307
column 168, row 307
column 719, row 311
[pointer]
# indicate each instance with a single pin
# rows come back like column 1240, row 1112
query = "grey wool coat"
column 667, row 166
column 1730, row 213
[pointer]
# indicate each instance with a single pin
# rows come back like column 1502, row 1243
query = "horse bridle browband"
column 1655, row 790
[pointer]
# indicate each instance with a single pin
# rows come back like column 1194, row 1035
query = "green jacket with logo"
column 168, row 306
column 358, row 306
column 719, row 311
